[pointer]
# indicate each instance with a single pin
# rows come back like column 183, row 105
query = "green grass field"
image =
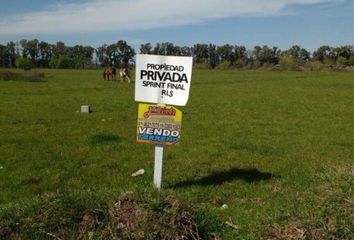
column 276, row 147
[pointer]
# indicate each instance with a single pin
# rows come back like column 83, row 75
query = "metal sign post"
column 158, row 163
column 158, row 166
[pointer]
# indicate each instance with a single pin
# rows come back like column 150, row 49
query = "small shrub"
column 329, row 61
column 267, row 66
column 34, row 77
column 8, row 76
column 276, row 67
column 201, row 66
column 315, row 66
column 225, row 65
column 240, row 63
column 29, row 77
column 342, row 61
column 287, row 62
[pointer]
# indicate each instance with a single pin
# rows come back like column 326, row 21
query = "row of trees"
column 41, row 54
column 228, row 56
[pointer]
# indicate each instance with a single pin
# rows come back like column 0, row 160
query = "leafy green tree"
column 322, row 53
column 256, row 55
column 200, row 53
column 168, row 49
column 146, row 48
column 45, row 54
column 351, row 60
column 263, row 55
column 53, row 63
column 102, row 55
column 109, row 54
column 59, row 49
column 300, row 55
column 82, row 55
column 125, row 53
column 213, row 56
column 11, row 53
column 343, row 51
column 186, row 51
column 23, row 44
column 22, row 62
column 30, row 50
column 65, row 61
column 118, row 54
column 79, row 62
column 304, row 56
column 226, row 53
column 158, row 49
column 33, row 50
column 240, row 56
column 240, row 52
column 3, row 56
column 176, row 51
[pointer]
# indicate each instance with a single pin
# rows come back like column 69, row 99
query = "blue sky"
column 282, row 23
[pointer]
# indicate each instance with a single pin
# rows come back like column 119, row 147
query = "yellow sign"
column 159, row 124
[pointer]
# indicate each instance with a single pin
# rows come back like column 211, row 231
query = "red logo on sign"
column 162, row 111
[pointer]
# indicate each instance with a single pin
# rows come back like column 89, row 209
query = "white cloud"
column 119, row 15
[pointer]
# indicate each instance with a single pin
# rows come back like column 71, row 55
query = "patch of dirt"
column 292, row 231
column 9, row 232
column 130, row 218
column 166, row 221
column 173, row 222
column 300, row 231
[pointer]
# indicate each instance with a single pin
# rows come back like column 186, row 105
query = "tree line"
column 40, row 54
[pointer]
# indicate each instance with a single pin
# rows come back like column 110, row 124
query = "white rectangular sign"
column 163, row 79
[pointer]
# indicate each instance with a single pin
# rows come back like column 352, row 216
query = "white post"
column 158, row 166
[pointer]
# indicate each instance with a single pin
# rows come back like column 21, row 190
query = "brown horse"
column 109, row 73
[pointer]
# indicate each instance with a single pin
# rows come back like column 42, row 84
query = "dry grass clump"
column 166, row 220
column 6, row 75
